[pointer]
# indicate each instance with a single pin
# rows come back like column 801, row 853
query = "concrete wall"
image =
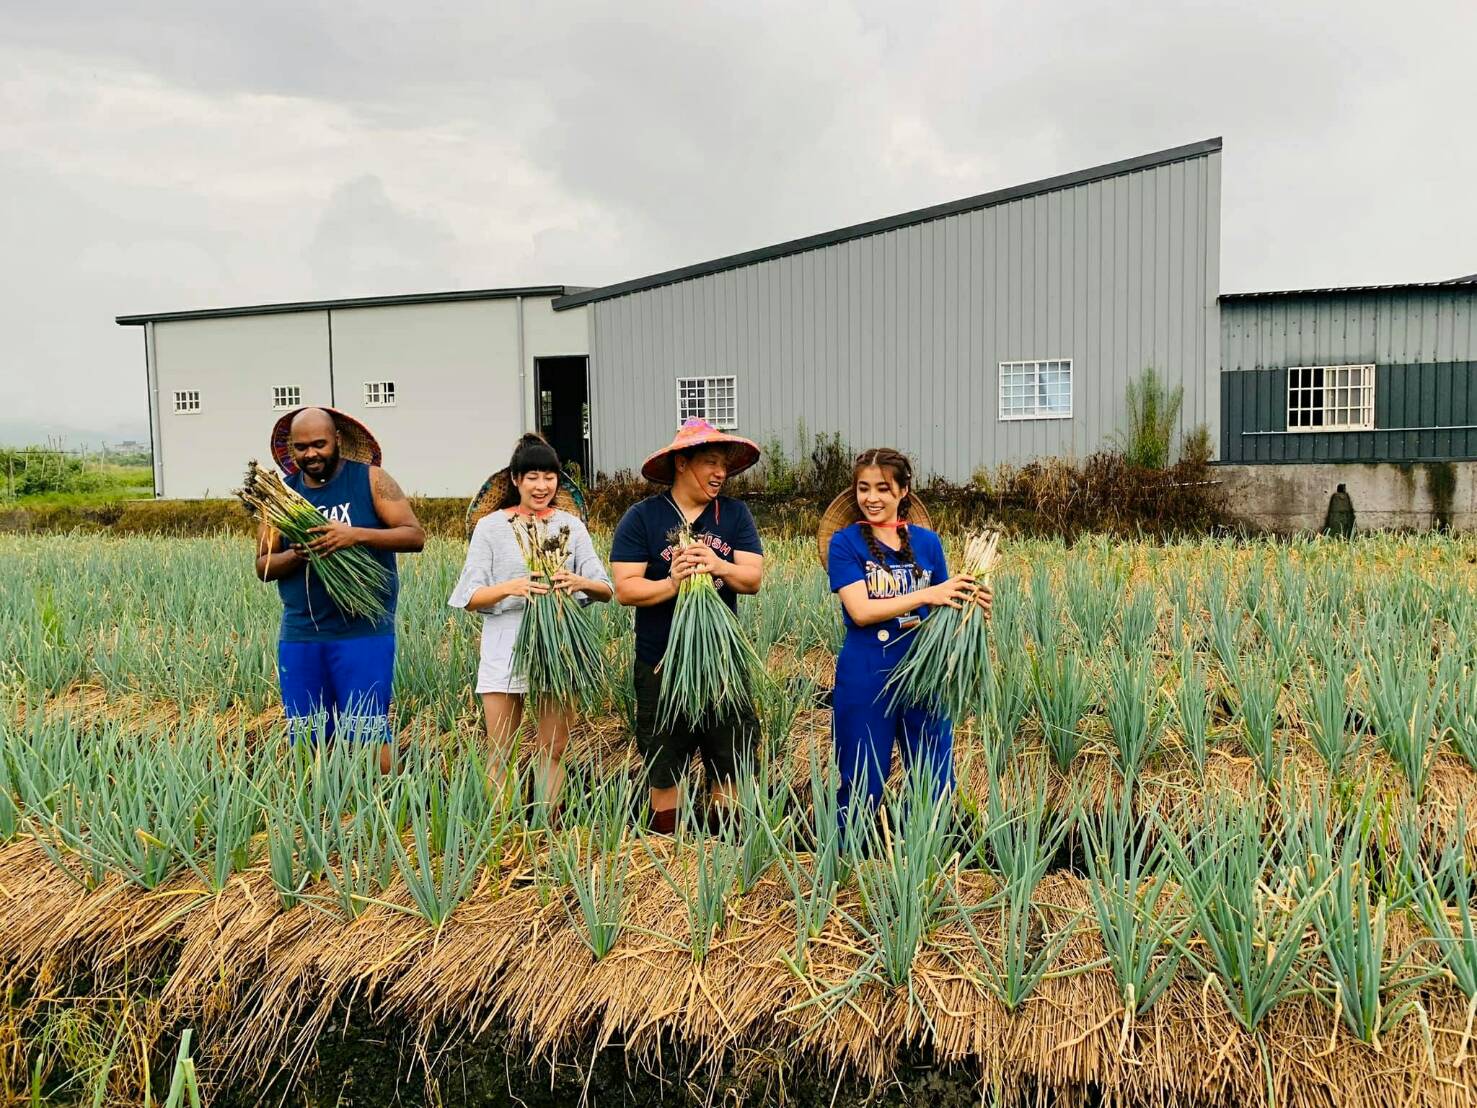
column 463, row 374
column 896, row 338
column 1291, row 498
column 233, row 363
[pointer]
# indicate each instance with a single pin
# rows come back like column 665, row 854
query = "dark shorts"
column 724, row 742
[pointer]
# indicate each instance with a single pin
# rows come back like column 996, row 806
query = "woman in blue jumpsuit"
column 888, row 574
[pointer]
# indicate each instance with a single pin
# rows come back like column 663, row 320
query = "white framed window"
column 712, row 398
column 1330, row 398
column 186, row 401
column 286, row 397
column 379, row 394
column 1036, row 390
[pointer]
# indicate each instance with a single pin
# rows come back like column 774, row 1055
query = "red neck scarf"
column 893, row 525
column 519, row 510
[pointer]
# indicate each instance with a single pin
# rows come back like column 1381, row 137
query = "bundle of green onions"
column 948, row 662
column 558, row 648
column 709, row 667
column 354, row 581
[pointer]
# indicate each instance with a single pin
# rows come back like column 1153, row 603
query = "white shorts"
column 495, row 671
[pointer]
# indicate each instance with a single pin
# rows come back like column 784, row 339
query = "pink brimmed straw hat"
column 354, row 440
column 661, row 469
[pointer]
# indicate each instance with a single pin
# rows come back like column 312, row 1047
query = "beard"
column 322, row 467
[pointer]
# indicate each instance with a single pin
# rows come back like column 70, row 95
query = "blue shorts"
column 338, row 686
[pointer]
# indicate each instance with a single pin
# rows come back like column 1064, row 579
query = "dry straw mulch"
column 260, row 983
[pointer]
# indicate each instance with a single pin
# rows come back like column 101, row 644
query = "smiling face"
column 313, row 443
column 878, row 494
column 701, row 476
column 536, row 489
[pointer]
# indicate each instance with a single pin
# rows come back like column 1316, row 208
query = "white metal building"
column 446, row 381
column 998, row 328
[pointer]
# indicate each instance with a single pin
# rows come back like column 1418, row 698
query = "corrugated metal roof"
column 890, row 223
column 1470, row 279
column 353, row 302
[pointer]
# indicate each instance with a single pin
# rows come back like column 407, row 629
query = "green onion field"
column 1213, row 842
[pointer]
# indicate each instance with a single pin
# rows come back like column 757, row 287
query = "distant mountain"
column 31, row 432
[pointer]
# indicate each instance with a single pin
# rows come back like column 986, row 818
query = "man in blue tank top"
column 332, row 666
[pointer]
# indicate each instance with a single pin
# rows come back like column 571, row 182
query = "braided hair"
column 900, row 471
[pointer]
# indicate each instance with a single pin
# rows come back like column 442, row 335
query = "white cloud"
column 175, row 153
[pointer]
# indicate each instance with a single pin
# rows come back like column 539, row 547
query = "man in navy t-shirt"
column 647, row 567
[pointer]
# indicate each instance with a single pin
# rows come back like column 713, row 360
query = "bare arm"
column 273, row 564
column 569, row 581
column 635, row 591
column 953, row 593
column 743, row 575
column 489, row 596
column 587, row 575
column 401, row 533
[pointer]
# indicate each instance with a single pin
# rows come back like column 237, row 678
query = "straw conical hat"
column 569, row 497
column 354, row 440
column 661, row 468
column 842, row 513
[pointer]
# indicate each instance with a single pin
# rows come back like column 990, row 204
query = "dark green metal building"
column 1384, row 373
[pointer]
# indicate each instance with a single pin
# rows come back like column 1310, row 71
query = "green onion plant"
column 1140, row 913
column 1063, row 690
column 354, row 581
column 709, row 667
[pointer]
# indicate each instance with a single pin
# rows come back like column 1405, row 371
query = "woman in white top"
column 495, row 582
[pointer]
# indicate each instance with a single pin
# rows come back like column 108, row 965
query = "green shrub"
column 1153, row 413
column 1196, row 447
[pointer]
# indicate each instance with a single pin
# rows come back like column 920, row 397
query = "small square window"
column 286, row 397
column 186, row 401
column 714, row 399
column 1036, row 390
column 1330, row 398
column 379, row 394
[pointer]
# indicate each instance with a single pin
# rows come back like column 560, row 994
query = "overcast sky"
column 159, row 156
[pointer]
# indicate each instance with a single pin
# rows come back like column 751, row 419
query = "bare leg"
column 553, row 737
column 664, row 809
column 724, row 795
column 504, row 712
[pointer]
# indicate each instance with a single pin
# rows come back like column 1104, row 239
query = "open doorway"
column 562, row 394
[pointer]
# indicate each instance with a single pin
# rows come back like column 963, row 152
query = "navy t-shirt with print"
column 850, row 560
column 644, row 534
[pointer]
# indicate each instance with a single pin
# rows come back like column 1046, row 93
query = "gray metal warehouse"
column 998, row 328
column 1384, row 373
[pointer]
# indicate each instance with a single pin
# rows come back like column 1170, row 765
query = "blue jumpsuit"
column 863, row 730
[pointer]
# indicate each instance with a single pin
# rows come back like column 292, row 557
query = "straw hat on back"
column 354, row 440
column 569, row 497
column 842, row 513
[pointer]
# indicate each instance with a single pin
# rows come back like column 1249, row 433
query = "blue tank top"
column 308, row 612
